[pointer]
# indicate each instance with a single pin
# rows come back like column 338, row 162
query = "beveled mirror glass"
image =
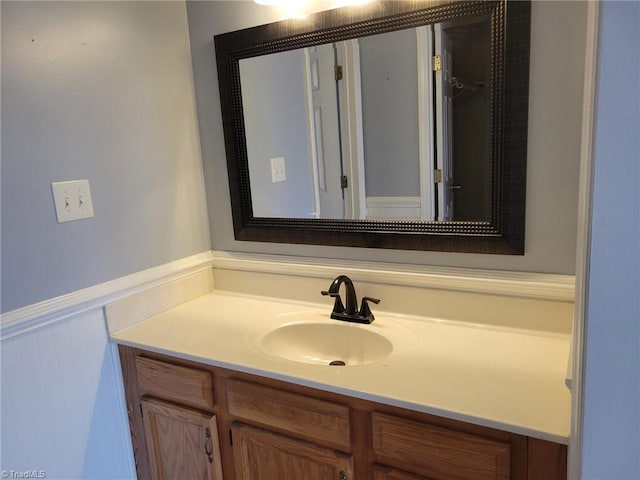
column 401, row 124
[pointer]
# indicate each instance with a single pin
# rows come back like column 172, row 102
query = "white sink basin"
column 336, row 343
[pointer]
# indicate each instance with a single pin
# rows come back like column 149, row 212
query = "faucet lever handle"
column 338, row 307
column 365, row 311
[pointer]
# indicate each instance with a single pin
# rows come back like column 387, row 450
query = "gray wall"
column 557, row 60
column 274, row 104
column 103, row 91
column 389, row 72
column 611, row 414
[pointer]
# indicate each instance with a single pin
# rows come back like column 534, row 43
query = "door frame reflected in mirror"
column 503, row 233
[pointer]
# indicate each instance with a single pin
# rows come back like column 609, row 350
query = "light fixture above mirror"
column 302, row 8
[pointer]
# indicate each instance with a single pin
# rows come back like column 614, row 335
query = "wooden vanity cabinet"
column 267, row 429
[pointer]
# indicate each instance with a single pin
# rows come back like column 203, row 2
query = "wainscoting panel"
column 63, row 408
column 63, row 411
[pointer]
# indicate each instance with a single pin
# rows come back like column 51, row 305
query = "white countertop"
column 503, row 378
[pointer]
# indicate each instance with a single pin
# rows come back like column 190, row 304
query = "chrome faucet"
column 349, row 313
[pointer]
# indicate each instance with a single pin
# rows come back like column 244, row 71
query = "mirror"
column 399, row 125
column 294, row 116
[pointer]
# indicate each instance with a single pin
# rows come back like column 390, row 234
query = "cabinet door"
column 387, row 473
column 181, row 442
column 262, row 455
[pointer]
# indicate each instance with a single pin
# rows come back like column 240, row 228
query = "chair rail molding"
column 31, row 317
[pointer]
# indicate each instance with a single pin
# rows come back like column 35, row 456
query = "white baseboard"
column 395, row 208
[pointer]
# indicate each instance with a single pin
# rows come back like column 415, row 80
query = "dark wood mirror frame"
column 510, row 38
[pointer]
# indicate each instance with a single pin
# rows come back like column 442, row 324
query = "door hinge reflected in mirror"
column 437, row 175
column 337, row 72
column 437, row 63
column 344, row 182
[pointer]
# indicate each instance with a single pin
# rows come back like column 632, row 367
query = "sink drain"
column 336, row 363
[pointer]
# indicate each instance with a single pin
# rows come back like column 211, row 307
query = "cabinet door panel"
column 181, row 442
column 387, row 473
column 261, row 455
column 438, row 452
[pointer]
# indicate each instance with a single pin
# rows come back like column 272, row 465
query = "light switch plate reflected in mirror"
column 278, row 172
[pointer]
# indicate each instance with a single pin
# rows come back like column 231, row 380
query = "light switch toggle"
column 72, row 200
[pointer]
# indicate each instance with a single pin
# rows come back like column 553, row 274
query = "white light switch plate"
column 278, row 172
column 72, row 200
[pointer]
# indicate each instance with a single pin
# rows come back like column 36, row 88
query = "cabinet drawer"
column 174, row 382
column 318, row 420
column 438, row 452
